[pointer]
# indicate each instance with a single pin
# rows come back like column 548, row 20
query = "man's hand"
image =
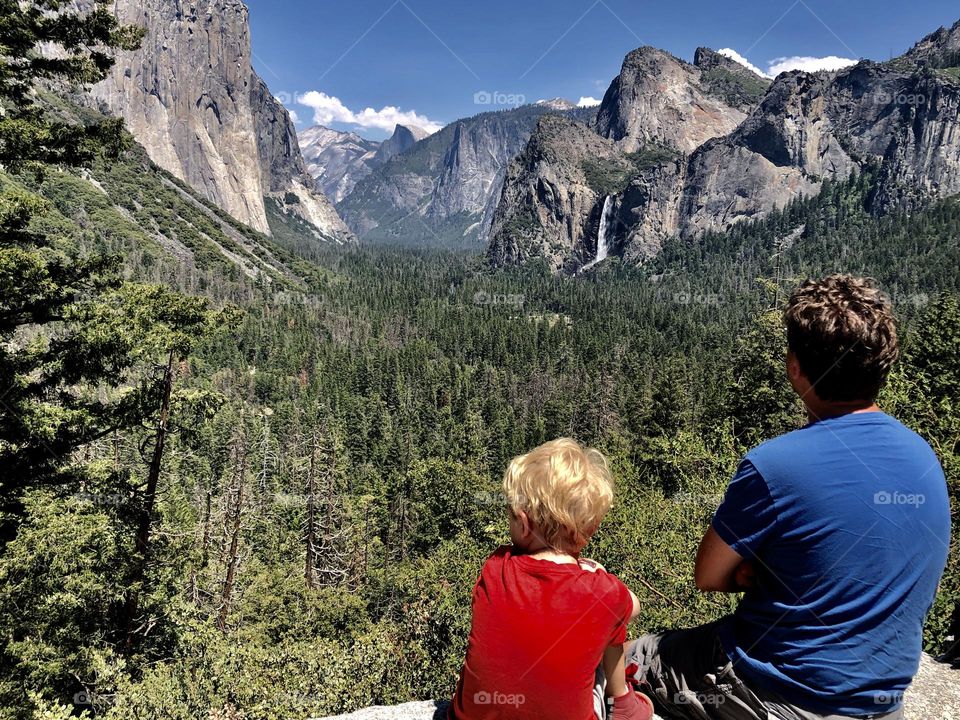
column 745, row 576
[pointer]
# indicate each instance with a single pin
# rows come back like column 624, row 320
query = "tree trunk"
column 145, row 521
column 311, row 530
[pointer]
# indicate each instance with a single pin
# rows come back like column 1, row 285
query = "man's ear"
column 797, row 378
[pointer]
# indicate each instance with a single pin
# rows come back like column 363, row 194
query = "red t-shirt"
column 539, row 632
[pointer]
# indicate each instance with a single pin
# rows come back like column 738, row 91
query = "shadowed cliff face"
column 903, row 116
column 189, row 95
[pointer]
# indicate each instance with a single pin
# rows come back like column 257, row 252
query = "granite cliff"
column 190, row 96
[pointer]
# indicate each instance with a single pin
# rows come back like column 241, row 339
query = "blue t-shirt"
column 848, row 522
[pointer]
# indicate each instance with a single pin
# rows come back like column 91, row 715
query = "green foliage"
column 607, row 176
column 359, row 414
column 610, row 176
column 68, row 560
column 735, row 88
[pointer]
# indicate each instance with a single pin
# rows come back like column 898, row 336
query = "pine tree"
column 42, row 421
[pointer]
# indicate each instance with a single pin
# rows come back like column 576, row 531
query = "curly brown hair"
column 844, row 335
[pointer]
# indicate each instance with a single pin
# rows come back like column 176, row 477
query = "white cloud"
column 786, row 64
column 328, row 109
column 808, row 64
column 737, row 57
column 588, row 102
column 294, row 116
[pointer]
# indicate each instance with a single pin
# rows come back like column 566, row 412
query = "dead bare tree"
column 233, row 526
column 326, row 535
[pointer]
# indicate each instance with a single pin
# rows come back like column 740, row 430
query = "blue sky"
column 361, row 65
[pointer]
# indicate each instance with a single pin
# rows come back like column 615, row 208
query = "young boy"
column 544, row 619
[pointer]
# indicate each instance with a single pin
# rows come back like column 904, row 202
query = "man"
column 838, row 532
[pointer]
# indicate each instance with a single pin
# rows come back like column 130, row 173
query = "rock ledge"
column 934, row 695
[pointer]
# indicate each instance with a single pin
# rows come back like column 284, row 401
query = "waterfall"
column 603, row 236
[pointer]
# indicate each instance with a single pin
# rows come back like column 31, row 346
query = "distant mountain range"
column 680, row 149
column 443, row 189
column 675, row 149
column 339, row 160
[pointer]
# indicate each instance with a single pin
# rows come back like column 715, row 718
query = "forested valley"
column 233, row 494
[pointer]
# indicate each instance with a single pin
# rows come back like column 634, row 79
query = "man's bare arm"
column 720, row 568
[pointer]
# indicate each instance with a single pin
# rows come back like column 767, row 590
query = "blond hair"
column 563, row 488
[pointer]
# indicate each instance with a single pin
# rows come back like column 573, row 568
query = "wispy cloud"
column 329, row 109
column 587, row 102
column 737, row 57
column 795, row 62
column 808, row 64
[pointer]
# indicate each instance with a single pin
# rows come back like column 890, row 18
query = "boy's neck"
column 541, row 551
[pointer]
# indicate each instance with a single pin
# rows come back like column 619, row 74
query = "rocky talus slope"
column 902, row 116
column 190, row 96
column 934, row 695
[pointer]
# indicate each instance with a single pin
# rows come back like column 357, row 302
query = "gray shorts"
column 689, row 677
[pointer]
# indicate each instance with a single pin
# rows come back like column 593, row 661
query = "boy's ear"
column 525, row 525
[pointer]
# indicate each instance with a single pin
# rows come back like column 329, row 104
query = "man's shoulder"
column 848, row 435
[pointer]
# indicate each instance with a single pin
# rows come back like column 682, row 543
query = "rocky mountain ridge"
column 444, row 189
column 339, row 160
column 190, row 96
column 903, row 116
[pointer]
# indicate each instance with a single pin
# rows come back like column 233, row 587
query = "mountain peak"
column 708, row 59
column 940, row 48
column 557, row 103
column 404, row 137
